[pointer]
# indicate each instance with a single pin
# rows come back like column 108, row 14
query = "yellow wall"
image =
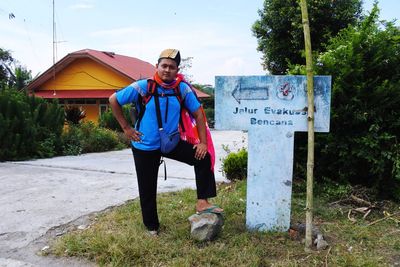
column 86, row 74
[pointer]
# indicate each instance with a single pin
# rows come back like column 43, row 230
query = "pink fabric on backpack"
column 191, row 134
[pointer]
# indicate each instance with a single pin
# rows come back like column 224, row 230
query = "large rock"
column 206, row 226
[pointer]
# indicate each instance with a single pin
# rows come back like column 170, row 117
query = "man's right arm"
column 116, row 108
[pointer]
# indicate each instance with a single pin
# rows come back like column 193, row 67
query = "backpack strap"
column 143, row 100
column 152, row 91
column 179, row 96
column 158, row 111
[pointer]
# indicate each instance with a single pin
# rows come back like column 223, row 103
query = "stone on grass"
column 320, row 242
column 298, row 230
column 205, row 226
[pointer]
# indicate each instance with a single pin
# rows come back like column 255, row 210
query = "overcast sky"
column 217, row 34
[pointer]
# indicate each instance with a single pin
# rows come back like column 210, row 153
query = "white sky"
column 217, row 34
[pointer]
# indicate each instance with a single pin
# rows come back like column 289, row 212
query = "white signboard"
column 271, row 108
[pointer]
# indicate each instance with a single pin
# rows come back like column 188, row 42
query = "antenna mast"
column 54, row 51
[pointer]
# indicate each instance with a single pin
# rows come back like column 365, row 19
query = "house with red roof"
column 86, row 78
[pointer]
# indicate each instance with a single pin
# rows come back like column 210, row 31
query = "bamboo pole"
column 310, row 118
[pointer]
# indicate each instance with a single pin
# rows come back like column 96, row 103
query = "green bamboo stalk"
column 310, row 118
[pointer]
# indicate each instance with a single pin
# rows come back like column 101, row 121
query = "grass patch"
column 118, row 238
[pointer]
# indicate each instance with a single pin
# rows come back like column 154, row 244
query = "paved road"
column 39, row 195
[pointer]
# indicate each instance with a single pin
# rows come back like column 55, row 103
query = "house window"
column 102, row 108
column 80, row 101
column 90, row 101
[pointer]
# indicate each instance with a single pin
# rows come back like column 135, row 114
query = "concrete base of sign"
column 269, row 182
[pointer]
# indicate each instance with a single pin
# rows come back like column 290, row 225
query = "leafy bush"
column 87, row 137
column 208, row 102
column 48, row 147
column 74, row 114
column 107, row 119
column 235, row 165
column 30, row 127
column 331, row 190
column 96, row 139
column 123, row 139
column 71, row 140
column 363, row 144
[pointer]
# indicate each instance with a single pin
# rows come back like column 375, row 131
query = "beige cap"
column 171, row 53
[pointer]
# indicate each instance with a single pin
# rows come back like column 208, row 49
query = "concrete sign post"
column 271, row 108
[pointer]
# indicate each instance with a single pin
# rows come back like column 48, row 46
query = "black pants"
column 147, row 163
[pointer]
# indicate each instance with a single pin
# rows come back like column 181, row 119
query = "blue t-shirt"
column 149, row 124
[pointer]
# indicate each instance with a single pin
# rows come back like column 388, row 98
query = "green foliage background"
column 107, row 119
column 363, row 144
column 279, row 30
column 208, row 103
column 87, row 137
column 29, row 126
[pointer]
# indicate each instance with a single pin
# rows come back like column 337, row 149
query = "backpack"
column 187, row 124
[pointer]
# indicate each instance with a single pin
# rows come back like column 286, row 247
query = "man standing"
column 163, row 105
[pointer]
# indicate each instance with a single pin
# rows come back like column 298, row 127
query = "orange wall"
column 86, row 74
column 92, row 112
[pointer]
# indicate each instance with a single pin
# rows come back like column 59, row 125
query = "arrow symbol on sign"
column 249, row 93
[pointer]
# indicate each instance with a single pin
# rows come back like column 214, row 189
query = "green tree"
column 185, row 67
column 6, row 61
column 30, row 127
column 280, row 34
column 12, row 75
column 207, row 103
column 363, row 144
column 21, row 78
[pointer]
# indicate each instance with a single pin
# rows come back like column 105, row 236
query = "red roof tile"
column 132, row 68
column 201, row 94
